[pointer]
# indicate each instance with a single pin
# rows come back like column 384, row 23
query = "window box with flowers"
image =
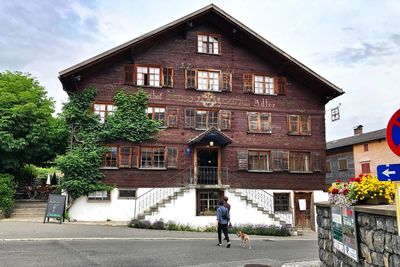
column 364, row 189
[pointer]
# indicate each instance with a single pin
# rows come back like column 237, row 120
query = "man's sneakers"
column 229, row 245
column 218, row 245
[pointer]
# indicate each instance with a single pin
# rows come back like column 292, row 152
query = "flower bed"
column 363, row 188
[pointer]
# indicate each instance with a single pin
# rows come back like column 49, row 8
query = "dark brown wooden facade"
column 175, row 48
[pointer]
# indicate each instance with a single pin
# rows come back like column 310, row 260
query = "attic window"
column 209, row 43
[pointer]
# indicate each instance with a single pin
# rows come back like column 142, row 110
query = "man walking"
column 222, row 221
column 228, row 206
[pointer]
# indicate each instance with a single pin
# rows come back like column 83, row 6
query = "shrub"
column 271, row 230
column 7, row 191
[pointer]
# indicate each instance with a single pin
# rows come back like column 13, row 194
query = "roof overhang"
column 211, row 135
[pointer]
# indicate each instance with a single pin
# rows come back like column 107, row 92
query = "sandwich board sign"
column 55, row 207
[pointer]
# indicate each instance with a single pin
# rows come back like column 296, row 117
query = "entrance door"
column 207, row 165
column 302, row 212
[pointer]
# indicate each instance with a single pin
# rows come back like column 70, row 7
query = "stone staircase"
column 168, row 199
column 29, row 210
column 269, row 212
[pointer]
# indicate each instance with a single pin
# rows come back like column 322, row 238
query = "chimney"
column 358, row 130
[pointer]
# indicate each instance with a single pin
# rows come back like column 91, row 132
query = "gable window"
column 103, row 110
column 281, row 202
column 299, row 161
column 342, row 164
column 263, row 85
column 203, row 119
column 152, row 157
column 259, row 160
column 156, row 113
column 365, row 167
column 110, row 158
column 148, row 76
column 259, row 122
column 209, row 44
column 99, row 195
column 299, row 124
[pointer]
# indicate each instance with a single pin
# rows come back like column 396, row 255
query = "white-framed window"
column 208, row 80
column 208, row 43
column 157, row 113
column 99, row 195
column 263, row 85
column 103, row 110
column 148, row 76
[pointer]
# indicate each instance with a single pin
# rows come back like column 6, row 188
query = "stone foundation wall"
column 379, row 244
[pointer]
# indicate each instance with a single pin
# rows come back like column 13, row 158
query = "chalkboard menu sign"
column 55, row 207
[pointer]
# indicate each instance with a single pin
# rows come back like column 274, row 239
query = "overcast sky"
column 353, row 44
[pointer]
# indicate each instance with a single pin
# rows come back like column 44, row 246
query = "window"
column 207, row 202
column 259, row 161
column 156, row 113
column 281, row 202
column 259, row 122
column 328, row 166
column 342, row 164
column 299, row 124
column 208, row 80
column 365, row 167
column 365, row 147
column 208, row 44
column 226, row 81
column 103, row 110
column 172, row 117
column 99, row 195
column 190, row 79
column 167, row 77
column 204, row 119
column 152, row 158
column 172, row 157
column 110, row 158
column 148, row 76
column 126, row 193
column 125, row 157
column 299, row 161
column 264, row 85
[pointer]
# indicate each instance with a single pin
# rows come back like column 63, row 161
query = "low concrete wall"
column 379, row 244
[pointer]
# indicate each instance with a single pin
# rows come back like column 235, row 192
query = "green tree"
column 29, row 134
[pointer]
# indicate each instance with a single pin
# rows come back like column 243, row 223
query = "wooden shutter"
column 248, row 83
column 293, row 120
column 190, row 79
column 129, row 71
column 167, row 77
column 316, row 161
column 285, row 160
column 225, row 119
column 135, row 157
column 242, row 159
column 190, row 118
column 172, row 157
column 280, row 85
column 305, row 124
column 125, row 157
column 226, row 82
column 277, row 160
column 172, row 117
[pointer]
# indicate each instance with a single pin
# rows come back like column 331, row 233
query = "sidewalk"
column 24, row 230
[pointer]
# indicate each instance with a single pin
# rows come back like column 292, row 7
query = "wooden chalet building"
column 240, row 117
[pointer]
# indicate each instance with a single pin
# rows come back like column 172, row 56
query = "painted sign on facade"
column 344, row 231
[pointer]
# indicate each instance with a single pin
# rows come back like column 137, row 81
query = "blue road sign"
column 388, row 172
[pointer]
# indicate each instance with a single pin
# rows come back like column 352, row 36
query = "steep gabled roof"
column 238, row 30
column 212, row 134
column 357, row 139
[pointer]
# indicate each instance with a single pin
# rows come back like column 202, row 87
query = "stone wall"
column 379, row 244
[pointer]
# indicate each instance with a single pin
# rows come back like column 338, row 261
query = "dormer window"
column 209, row 43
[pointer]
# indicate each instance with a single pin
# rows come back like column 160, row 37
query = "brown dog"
column 245, row 239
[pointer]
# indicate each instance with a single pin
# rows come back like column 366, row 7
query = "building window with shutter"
column 264, row 85
column 259, row 122
column 103, row 110
column 172, row 157
column 208, row 81
column 342, row 164
column 209, row 43
column 157, row 114
column 127, row 193
column 148, row 76
column 204, row 119
column 152, row 158
column 99, row 195
column 281, row 202
column 299, row 124
column 110, row 158
column 365, row 167
column 259, row 160
column 299, row 161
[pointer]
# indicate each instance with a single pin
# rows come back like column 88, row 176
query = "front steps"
column 28, row 210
